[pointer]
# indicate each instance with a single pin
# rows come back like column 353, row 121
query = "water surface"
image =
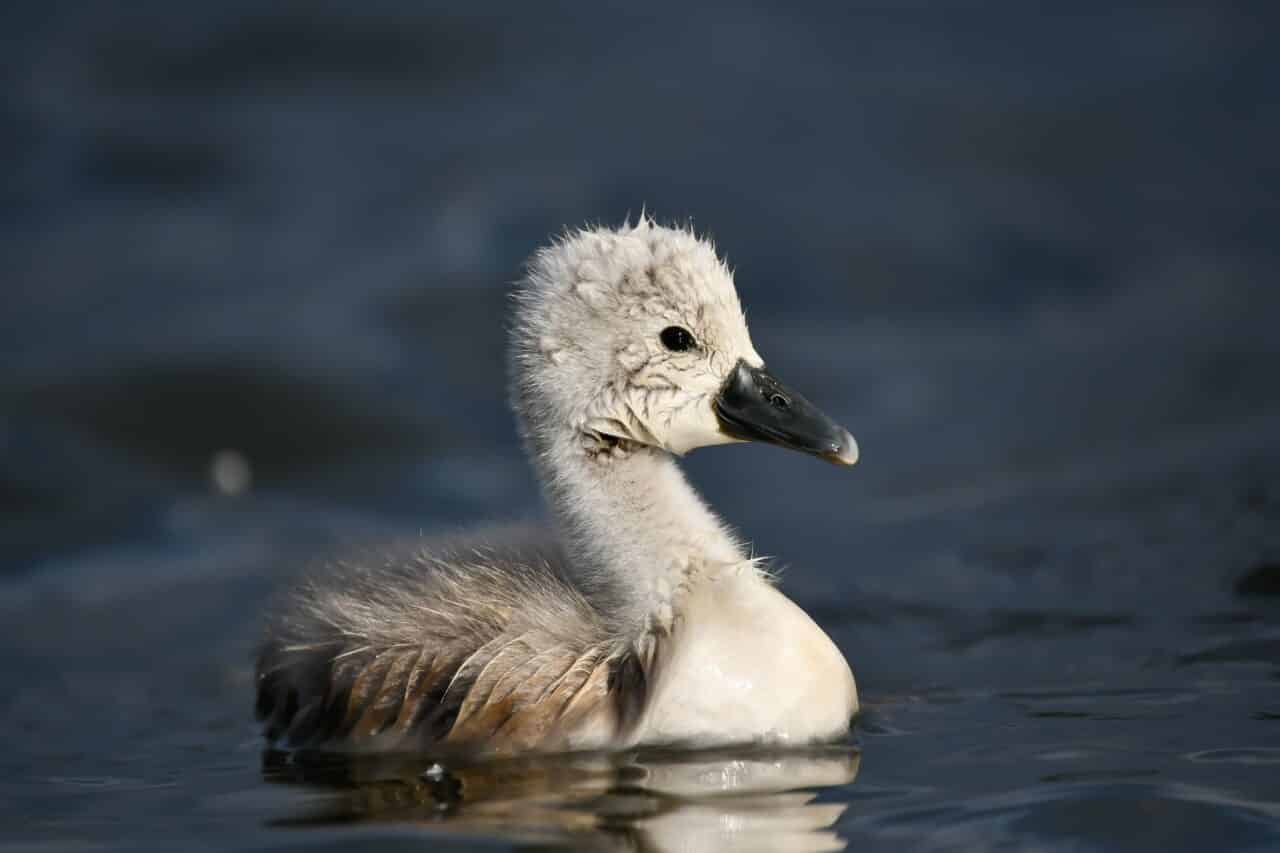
column 1027, row 257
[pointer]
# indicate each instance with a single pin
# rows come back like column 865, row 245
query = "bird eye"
column 677, row 339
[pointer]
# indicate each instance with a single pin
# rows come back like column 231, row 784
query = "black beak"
column 753, row 406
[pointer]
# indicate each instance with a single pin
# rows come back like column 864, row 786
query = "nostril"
column 779, row 402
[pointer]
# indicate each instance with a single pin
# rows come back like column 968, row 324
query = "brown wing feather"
column 488, row 650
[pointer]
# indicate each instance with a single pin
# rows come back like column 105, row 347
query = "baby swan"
column 647, row 622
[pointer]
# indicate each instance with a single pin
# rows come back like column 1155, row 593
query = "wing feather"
column 486, row 649
column 428, row 670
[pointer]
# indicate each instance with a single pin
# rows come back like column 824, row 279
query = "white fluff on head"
column 587, row 348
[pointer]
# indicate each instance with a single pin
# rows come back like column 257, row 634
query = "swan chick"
column 638, row 618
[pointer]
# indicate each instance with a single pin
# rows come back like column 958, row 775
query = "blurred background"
column 255, row 264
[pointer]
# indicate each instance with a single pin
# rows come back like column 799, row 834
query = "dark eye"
column 677, row 339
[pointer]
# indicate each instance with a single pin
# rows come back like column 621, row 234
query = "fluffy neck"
column 637, row 534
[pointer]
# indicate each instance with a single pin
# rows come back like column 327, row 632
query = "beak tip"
column 847, row 452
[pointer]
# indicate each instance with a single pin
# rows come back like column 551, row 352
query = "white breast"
column 746, row 664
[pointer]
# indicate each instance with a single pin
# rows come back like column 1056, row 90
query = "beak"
column 753, row 406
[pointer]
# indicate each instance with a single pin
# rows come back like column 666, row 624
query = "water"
column 256, row 266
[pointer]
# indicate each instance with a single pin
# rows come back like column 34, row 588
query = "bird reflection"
column 649, row 800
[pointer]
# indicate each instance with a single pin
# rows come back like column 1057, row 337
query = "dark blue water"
column 1029, row 257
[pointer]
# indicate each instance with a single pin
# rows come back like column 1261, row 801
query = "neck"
column 637, row 534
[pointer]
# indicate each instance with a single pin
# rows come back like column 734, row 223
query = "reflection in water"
column 645, row 800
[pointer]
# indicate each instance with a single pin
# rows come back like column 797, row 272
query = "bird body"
column 747, row 665
column 644, row 620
